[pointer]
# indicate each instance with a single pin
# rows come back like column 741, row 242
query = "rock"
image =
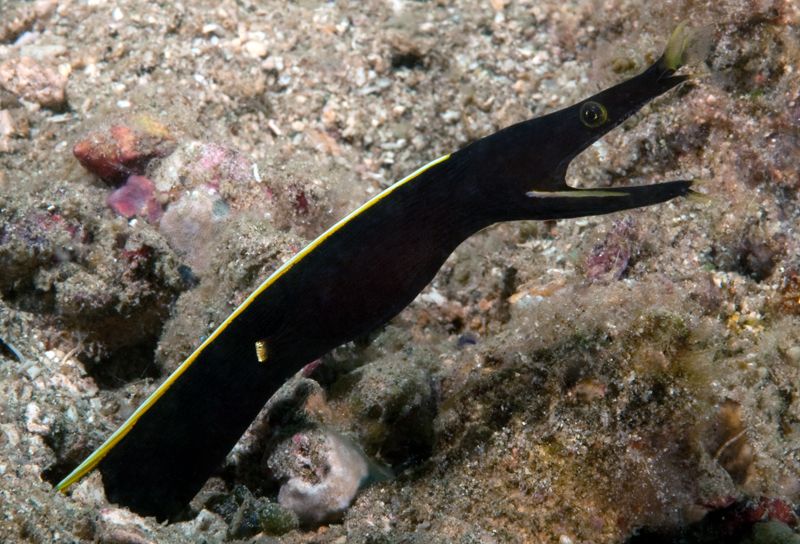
column 206, row 523
column 7, row 130
column 34, row 81
column 245, row 522
column 42, row 52
column 323, row 472
column 228, row 504
column 256, row 48
column 395, row 407
column 16, row 21
column 772, row 532
column 124, row 149
column 189, row 225
column 123, row 536
column 30, row 241
column 195, row 164
column 262, row 516
column 119, row 526
column 793, row 353
column 247, row 515
column 7, row 127
column 275, row 519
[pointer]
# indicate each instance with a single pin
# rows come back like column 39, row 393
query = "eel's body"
column 355, row 277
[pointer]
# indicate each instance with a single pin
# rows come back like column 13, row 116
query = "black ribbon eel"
column 356, row 276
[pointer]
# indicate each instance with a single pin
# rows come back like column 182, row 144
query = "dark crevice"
column 57, row 472
column 126, row 365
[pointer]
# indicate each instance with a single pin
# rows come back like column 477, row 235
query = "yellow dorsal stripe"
column 91, row 462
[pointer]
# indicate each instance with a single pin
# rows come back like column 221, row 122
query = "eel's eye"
column 593, row 114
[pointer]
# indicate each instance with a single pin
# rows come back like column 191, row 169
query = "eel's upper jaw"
column 572, row 202
column 621, row 101
column 626, row 98
column 629, row 96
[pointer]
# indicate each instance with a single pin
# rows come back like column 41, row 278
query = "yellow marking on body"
column 261, row 351
column 91, row 462
column 576, row 193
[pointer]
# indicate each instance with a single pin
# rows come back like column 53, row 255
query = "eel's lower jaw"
column 570, row 202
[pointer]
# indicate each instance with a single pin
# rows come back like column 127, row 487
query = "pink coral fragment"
column 137, row 197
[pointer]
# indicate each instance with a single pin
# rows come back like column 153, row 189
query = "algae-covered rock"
column 772, row 532
column 393, row 405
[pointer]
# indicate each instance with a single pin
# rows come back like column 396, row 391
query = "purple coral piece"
column 610, row 259
column 137, row 197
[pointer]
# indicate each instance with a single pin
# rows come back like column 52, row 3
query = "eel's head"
column 562, row 135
